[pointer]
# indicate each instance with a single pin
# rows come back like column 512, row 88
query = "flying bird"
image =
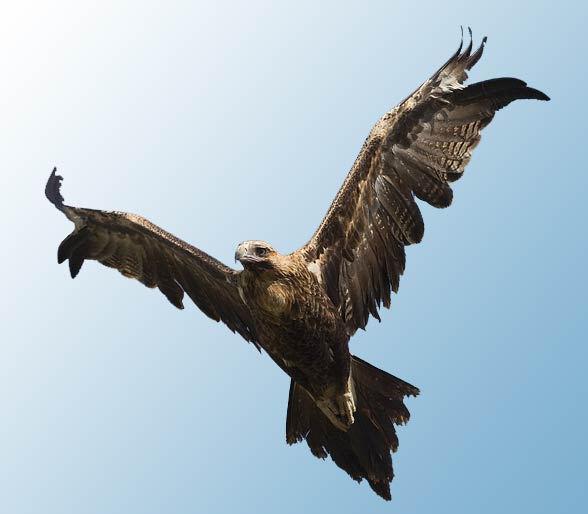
column 302, row 308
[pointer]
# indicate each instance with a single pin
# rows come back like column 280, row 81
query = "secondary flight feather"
column 302, row 308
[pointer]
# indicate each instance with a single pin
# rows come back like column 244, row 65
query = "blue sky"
column 228, row 121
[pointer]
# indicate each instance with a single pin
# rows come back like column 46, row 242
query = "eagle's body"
column 299, row 327
column 303, row 308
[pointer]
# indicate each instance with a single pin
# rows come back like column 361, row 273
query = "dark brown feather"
column 415, row 150
column 143, row 251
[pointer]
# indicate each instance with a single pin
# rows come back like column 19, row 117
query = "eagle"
column 303, row 308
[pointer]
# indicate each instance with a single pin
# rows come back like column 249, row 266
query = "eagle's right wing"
column 414, row 151
column 141, row 250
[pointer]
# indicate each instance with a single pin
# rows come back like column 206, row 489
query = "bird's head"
column 256, row 255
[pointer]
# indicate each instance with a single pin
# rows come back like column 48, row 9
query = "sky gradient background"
column 228, row 121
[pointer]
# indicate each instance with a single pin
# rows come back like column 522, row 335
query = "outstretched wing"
column 416, row 149
column 139, row 249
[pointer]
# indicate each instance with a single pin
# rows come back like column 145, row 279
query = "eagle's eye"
column 261, row 251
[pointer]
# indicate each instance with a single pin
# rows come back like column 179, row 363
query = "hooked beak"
column 242, row 255
column 240, row 252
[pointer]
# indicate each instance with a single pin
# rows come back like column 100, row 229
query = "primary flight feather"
column 302, row 308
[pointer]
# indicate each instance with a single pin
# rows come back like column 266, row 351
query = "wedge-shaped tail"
column 364, row 450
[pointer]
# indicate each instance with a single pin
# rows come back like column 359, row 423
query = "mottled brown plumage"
column 308, row 338
column 302, row 308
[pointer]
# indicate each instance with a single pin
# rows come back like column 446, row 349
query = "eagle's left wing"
column 415, row 150
column 141, row 250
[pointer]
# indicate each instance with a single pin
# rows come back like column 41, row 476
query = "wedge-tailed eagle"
column 302, row 308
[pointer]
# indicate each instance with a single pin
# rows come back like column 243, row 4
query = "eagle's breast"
column 275, row 298
column 282, row 293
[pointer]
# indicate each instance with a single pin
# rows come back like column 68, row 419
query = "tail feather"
column 364, row 450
